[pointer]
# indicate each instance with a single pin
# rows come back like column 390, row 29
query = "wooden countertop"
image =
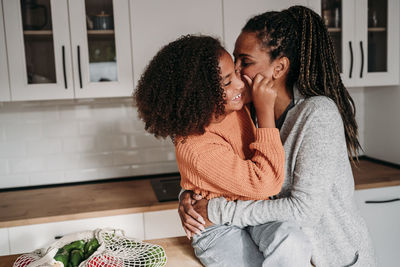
column 178, row 249
column 70, row 202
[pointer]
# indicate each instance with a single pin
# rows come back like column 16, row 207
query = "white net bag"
column 99, row 248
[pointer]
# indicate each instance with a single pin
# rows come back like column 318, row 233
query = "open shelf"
column 334, row 29
column 38, row 33
column 100, row 32
column 377, row 29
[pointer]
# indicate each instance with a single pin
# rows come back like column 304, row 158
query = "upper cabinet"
column 4, row 85
column 155, row 23
column 59, row 49
column 365, row 34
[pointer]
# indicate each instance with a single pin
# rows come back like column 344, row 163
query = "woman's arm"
column 321, row 148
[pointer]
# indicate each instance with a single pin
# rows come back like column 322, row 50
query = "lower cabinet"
column 4, row 242
column 148, row 225
column 28, row 238
column 162, row 224
column 383, row 220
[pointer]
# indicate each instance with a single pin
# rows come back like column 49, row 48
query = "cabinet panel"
column 383, row 220
column 31, row 237
column 156, row 22
column 38, row 49
column 162, row 224
column 4, row 246
column 366, row 39
column 100, row 37
column 380, row 39
column 237, row 13
column 4, row 84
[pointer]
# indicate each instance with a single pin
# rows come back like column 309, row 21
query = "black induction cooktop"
column 166, row 189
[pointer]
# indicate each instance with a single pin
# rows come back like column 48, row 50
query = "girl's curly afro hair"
column 180, row 90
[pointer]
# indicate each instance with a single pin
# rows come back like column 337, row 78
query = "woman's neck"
column 282, row 101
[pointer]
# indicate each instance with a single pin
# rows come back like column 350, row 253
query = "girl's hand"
column 264, row 95
column 262, row 90
column 192, row 222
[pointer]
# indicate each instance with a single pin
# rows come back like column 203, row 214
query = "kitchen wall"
column 50, row 142
column 382, row 123
column 64, row 141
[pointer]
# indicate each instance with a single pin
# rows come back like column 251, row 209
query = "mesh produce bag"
column 115, row 250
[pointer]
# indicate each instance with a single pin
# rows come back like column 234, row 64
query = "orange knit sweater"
column 232, row 159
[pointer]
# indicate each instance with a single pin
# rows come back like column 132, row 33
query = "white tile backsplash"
column 52, row 142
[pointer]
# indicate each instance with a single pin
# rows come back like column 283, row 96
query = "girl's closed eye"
column 227, row 83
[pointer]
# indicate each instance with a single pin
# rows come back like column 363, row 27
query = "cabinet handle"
column 351, row 59
column 362, row 59
column 63, row 63
column 381, row 201
column 79, row 66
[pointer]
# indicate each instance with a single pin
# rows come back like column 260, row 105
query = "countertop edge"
column 87, row 215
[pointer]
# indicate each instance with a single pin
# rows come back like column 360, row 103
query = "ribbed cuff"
column 267, row 135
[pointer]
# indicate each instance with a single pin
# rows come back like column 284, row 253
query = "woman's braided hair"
column 180, row 90
column 300, row 34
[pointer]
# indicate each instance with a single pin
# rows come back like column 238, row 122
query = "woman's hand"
column 192, row 222
column 201, row 208
column 264, row 95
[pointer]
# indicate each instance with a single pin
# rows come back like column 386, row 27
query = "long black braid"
column 300, row 34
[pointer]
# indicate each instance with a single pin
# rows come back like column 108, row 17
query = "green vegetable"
column 62, row 256
column 76, row 257
column 91, row 247
column 80, row 244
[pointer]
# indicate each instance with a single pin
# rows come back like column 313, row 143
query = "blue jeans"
column 272, row 244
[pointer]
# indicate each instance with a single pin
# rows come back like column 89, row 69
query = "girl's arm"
column 216, row 168
column 316, row 167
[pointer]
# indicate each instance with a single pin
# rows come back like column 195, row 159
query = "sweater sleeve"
column 219, row 167
column 315, row 168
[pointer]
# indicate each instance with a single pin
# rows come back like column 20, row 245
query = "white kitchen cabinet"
column 162, row 224
column 155, row 23
column 4, row 84
column 383, row 221
column 31, row 237
column 61, row 49
column 238, row 12
column 366, row 39
column 4, row 245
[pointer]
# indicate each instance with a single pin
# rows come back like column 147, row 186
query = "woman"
column 315, row 114
column 192, row 93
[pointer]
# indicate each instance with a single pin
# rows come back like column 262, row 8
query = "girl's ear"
column 281, row 67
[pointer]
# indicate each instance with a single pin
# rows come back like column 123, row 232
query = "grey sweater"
column 318, row 192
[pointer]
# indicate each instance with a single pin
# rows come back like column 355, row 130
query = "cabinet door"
column 28, row 238
column 377, row 47
column 237, row 13
column 38, row 47
column 157, row 22
column 4, row 85
column 101, row 48
column 162, row 224
column 383, row 221
column 4, row 245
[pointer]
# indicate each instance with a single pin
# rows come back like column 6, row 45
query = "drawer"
column 162, row 224
column 28, row 238
column 383, row 222
column 4, row 245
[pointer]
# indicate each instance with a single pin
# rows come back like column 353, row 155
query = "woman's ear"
column 281, row 67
